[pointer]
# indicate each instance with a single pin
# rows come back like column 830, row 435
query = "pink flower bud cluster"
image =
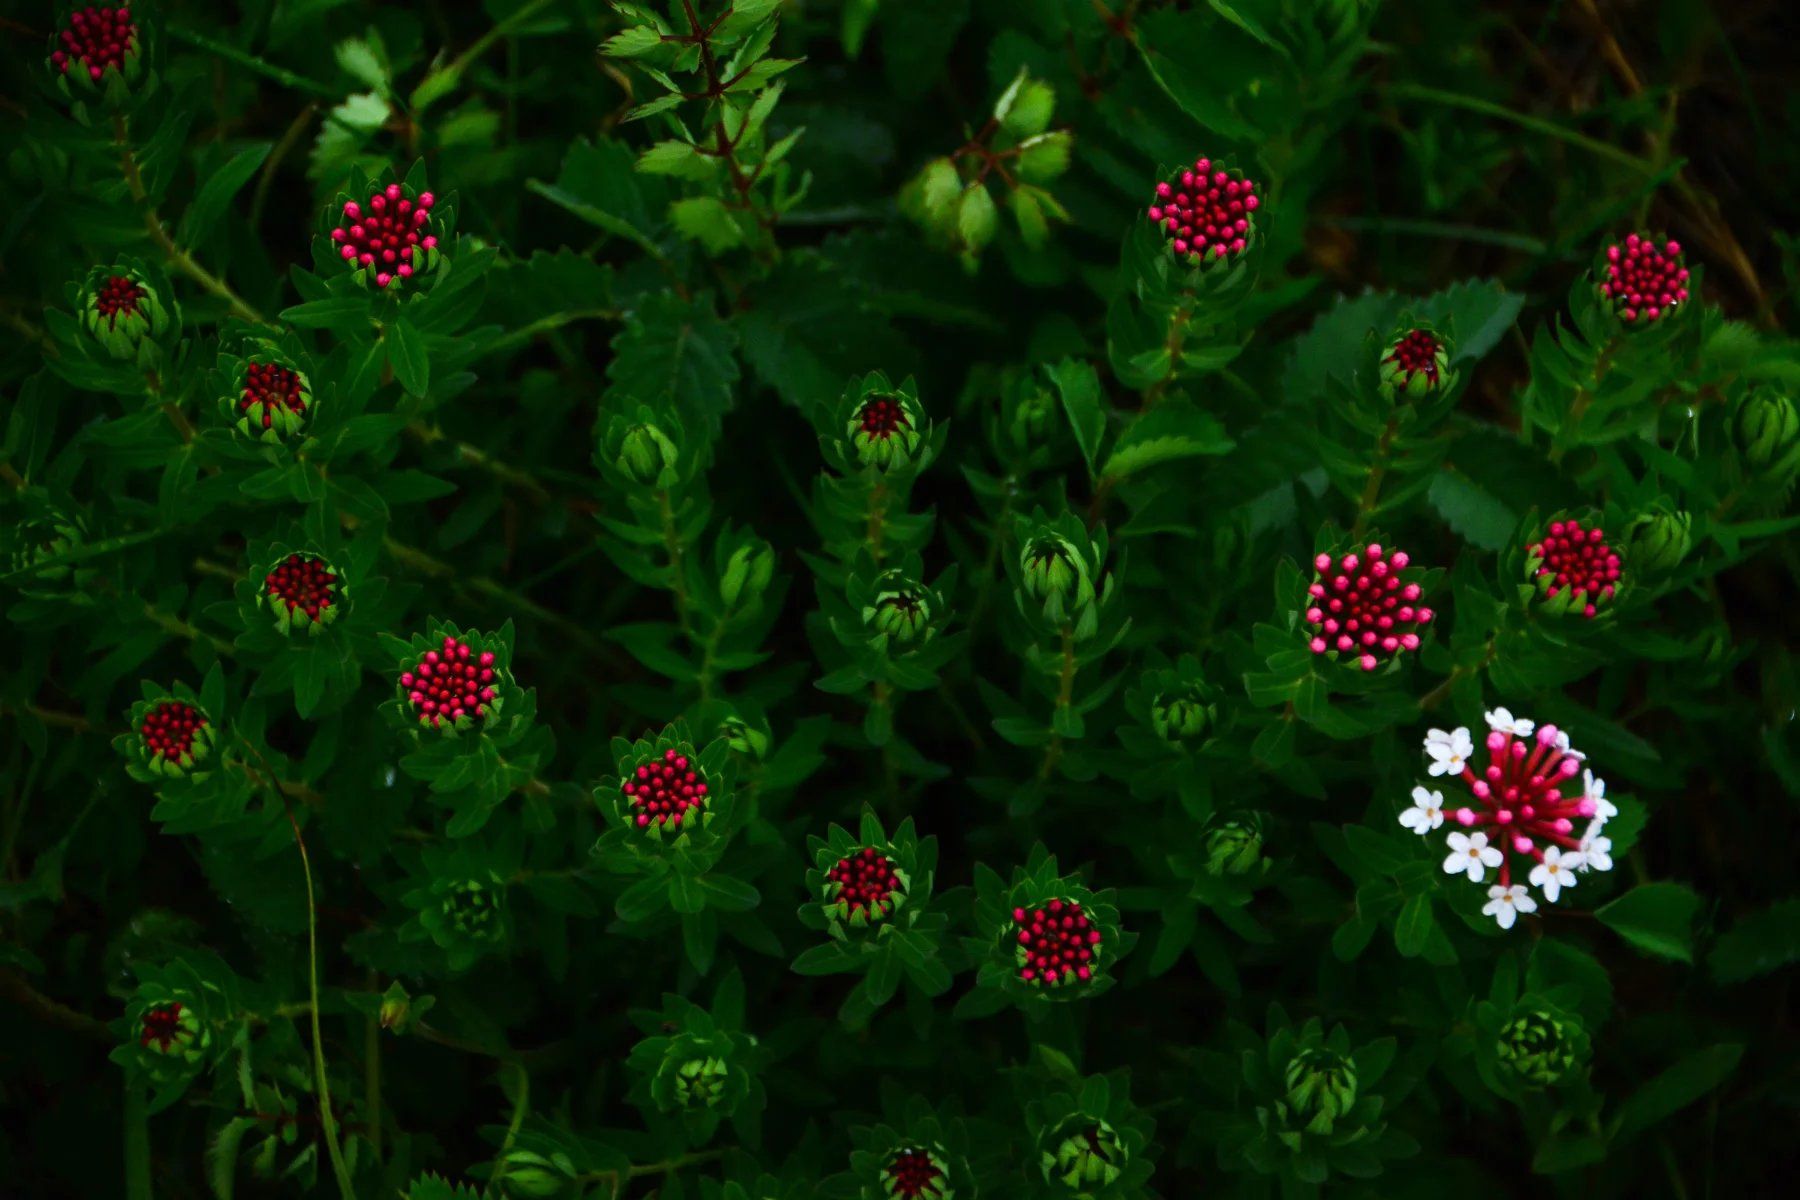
column 665, row 791
column 1578, row 560
column 866, row 880
column 388, row 236
column 1415, row 354
column 1521, row 795
column 169, row 729
column 1361, row 607
column 1207, row 212
column 118, row 297
column 1057, row 943
column 97, row 38
column 302, row 583
column 269, row 387
column 451, row 682
column 1644, row 281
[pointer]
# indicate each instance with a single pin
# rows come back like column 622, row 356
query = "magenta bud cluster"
column 1576, row 559
column 1521, row 796
column 118, row 297
column 1644, row 280
column 451, row 682
column 1416, row 354
column 665, row 791
column 389, row 236
column 865, row 881
column 912, row 1174
column 1360, row 606
column 1056, row 943
column 161, row 1025
column 268, row 388
column 1207, row 212
column 96, row 38
column 302, row 583
column 169, row 729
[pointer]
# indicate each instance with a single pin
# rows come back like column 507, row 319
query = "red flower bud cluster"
column 665, row 791
column 1644, row 281
column 450, row 683
column 1361, row 607
column 1057, row 943
column 162, row 1025
column 1416, row 354
column 118, row 298
column 389, row 236
column 303, row 583
column 865, row 880
column 268, row 387
column 169, row 728
column 97, row 38
column 1207, row 212
column 1578, row 560
column 882, row 415
column 912, row 1174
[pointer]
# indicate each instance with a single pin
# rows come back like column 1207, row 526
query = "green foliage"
column 752, row 600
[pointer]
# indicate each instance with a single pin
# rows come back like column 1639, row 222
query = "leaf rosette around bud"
column 264, row 390
column 1530, row 1042
column 668, row 794
column 451, row 681
column 869, row 884
column 386, row 235
column 459, row 900
column 915, row 1154
column 1060, row 574
column 1089, row 1142
column 169, row 735
column 1765, row 430
column 98, row 53
column 643, row 449
column 127, row 310
column 40, row 550
column 697, row 1064
column 1044, row 937
column 166, row 1036
column 883, row 427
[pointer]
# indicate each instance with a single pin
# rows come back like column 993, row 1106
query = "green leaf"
column 1079, row 386
column 677, row 351
column 1412, row 929
column 706, row 220
column 1482, row 519
column 407, row 354
column 1657, row 918
column 1757, row 944
column 201, row 220
column 1676, row 1088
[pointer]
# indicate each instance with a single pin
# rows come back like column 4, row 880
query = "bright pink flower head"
column 1360, row 608
column 391, row 237
column 1057, row 943
column 450, row 683
column 665, row 791
column 1574, row 567
column 1207, row 214
column 865, row 881
column 1644, row 280
column 94, row 39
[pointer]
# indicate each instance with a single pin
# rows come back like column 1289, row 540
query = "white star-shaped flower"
column 1596, row 850
column 1427, row 812
column 1594, row 788
column 1506, row 903
column 1449, row 751
column 1568, row 751
column 1470, row 855
column 1501, row 720
column 1556, row 872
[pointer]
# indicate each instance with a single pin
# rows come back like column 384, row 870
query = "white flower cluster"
column 1518, row 823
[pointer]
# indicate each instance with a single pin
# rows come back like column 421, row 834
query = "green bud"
column 747, row 573
column 1656, row 542
column 1540, row 1049
column 744, row 738
column 884, row 429
column 122, row 310
column 1055, row 573
column 1766, row 429
column 1179, row 716
column 1030, row 414
column 646, row 456
column 901, row 609
column 35, row 548
column 700, row 1082
column 1083, row 1156
column 396, row 1007
column 474, row 909
column 1233, row 847
column 1321, row 1088
column 171, row 1040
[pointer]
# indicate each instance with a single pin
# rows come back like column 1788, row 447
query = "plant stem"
column 1065, row 694
column 137, row 1144
column 268, row 70
column 1371, row 492
column 372, row 1071
column 327, row 1119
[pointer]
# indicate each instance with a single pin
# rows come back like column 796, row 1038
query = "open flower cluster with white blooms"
column 1528, row 809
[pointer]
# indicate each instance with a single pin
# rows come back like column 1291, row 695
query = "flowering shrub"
column 897, row 600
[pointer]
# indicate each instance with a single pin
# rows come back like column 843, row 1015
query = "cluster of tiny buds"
column 1057, row 943
column 1360, row 606
column 911, row 1173
column 118, row 298
column 302, row 583
column 1579, row 561
column 1644, row 281
column 1416, row 354
column 269, row 387
column 97, row 38
column 866, row 881
column 1206, row 213
column 169, row 728
column 450, row 683
column 389, row 236
column 665, row 791
column 882, row 416
column 161, row 1025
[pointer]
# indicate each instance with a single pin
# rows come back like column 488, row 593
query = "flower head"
column 1360, row 607
column 665, row 791
column 700, row 1082
column 1449, row 751
column 1573, row 567
column 303, row 591
column 1321, row 1088
column 1057, row 944
column 1083, row 1155
column 1527, row 811
column 1427, row 811
column 1542, row 1047
column 122, row 307
column 916, row 1173
column 1416, row 362
column 94, row 43
column 390, row 237
column 901, row 609
column 864, row 888
column 169, row 1038
column 1180, row 715
column 1643, row 280
column 454, row 686
column 884, row 429
column 644, row 453
column 273, row 400
column 176, row 735
column 1206, row 214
